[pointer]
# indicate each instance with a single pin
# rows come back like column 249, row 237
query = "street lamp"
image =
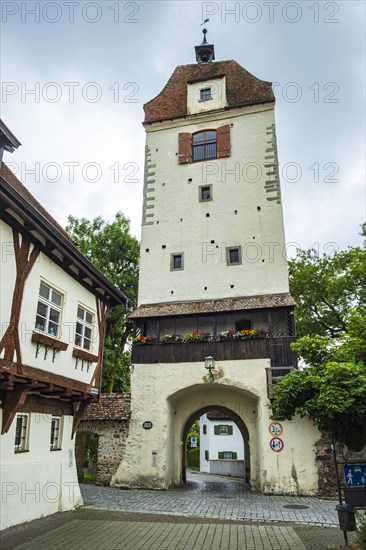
column 210, row 365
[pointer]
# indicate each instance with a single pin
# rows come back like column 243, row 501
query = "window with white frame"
column 228, row 455
column 84, row 328
column 21, row 433
column 55, row 441
column 223, row 430
column 49, row 310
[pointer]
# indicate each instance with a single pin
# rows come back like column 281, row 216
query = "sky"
column 75, row 76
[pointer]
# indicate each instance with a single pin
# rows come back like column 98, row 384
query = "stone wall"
column 327, row 486
column 111, row 447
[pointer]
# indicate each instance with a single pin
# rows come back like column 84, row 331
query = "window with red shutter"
column 204, row 145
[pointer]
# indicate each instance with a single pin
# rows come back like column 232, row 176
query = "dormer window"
column 205, row 94
column 204, row 145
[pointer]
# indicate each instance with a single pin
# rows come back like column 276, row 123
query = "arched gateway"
column 232, row 415
column 215, row 318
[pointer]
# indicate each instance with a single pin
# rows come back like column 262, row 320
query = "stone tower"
column 215, row 318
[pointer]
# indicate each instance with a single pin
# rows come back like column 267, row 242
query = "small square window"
column 228, row 455
column 233, row 255
column 223, row 430
column 177, row 261
column 205, row 193
column 205, row 94
column 21, row 433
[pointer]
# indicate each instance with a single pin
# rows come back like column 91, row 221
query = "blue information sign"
column 355, row 475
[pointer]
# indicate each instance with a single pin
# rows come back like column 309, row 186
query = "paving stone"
column 207, row 496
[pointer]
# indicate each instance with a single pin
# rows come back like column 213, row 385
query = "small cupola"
column 205, row 52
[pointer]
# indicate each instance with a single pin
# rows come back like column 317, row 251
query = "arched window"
column 204, row 145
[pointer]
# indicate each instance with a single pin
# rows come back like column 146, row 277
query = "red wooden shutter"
column 184, row 148
column 223, row 141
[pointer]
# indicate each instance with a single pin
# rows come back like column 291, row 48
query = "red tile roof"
column 217, row 415
column 112, row 406
column 242, row 88
column 211, row 306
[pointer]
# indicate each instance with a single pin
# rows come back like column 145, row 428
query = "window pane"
column 87, row 343
column 44, row 291
column 79, row 328
column 87, row 333
column 53, row 328
column 211, row 150
column 205, row 193
column 234, row 256
column 211, row 135
column 40, row 323
column 56, row 298
column 177, row 262
column 198, row 152
column 88, row 317
column 205, row 94
column 54, row 315
column 18, row 431
column 198, row 137
column 81, row 312
column 42, row 309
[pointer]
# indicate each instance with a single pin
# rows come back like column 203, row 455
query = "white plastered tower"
column 212, row 261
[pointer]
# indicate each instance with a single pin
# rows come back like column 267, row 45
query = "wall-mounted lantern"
column 210, row 365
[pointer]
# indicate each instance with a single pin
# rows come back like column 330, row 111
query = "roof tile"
column 212, row 306
column 111, row 406
column 242, row 88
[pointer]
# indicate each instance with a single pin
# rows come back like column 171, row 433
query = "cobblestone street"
column 209, row 496
column 208, row 513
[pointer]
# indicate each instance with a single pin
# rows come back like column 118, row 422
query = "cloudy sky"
column 75, row 76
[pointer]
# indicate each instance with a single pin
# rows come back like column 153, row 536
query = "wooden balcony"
column 276, row 349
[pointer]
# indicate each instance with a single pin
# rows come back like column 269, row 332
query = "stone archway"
column 233, row 416
column 188, row 404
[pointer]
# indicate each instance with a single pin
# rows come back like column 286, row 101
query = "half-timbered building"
column 54, row 305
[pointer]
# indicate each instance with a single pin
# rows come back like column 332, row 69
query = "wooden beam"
column 14, row 400
column 78, row 416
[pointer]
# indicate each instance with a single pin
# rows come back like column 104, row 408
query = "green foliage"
column 331, row 391
column 193, row 458
column 113, row 250
column 331, row 318
column 328, row 289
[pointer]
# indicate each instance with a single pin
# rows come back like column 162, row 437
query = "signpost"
column 276, row 444
column 355, row 475
column 275, row 428
column 193, row 442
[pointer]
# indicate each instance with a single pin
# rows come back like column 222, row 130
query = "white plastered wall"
column 178, row 222
column 73, row 293
column 168, row 394
column 39, row 482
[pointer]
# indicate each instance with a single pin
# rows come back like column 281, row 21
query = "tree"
column 328, row 289
column 331, row 391
column 113, row 250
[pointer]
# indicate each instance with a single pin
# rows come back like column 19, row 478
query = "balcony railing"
column 277, row 349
